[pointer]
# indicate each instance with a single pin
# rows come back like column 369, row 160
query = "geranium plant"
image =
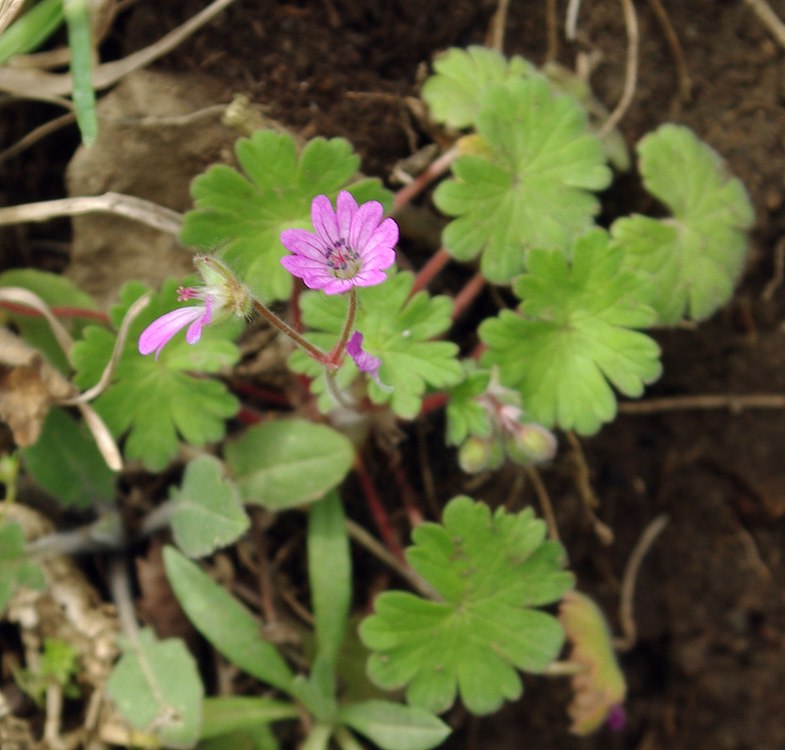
column 369, row 350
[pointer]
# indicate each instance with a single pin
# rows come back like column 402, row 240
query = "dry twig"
column 631, row 72
column 498, row 25
column 769, row 19
column 128, row 206
column 733, row 402
column 685, row 85
column 36, row 84
column 627, row 595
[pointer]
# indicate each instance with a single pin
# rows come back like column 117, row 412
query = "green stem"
column 301, row 341
column 336, row 355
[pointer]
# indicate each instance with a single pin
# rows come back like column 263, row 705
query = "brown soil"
column 709, row 667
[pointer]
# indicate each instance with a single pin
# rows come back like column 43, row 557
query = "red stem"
column 432, row 402
column 413, row 510
column 427, row 273
column 467, row 295
column 378, row 513
column 428, row 175
column 59, row 312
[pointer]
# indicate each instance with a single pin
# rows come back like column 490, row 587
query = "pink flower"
column 365, row 362
column 158, row 334
column 220, row 294
column 351, row 246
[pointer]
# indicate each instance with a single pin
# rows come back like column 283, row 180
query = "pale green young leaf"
column 694, row 257
column 288, row 462
column 207, row 513
column 532, row 187
column 67, row 464
column 157, row 402
column 244, row 214
column 330, row 579
column 157, row 688
column 575, row 337
column 465, row 414
column 226, row 623
column 15, row 568
column 397, row 328
column 455, row 92
column 392, row 726
column 490, row 571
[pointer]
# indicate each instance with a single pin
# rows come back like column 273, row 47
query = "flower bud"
column 479, row 454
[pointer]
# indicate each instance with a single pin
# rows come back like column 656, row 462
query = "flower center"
column 343, row 260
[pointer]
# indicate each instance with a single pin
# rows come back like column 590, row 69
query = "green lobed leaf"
column 157, row 688
column 66, row 462
column 392, row 726
column 207, row 512
column 330, row 579
column 244, row 214
column 159, row 401
column 57, row 291
column 575, row 337
column 397, row 329
column 490, row 571
column 285, row 463
column 15, row 569
column 532, row 190
column 455, row 92
column 226, row 623
column 696, row 256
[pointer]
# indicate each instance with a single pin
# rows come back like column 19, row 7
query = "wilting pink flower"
column 351, row 246
column 365, row 362
column 220, row 294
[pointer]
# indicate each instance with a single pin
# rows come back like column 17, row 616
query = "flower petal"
column 365, row 223
column 301, row 242
column 324, row 220
column 365, row 362
column 194, row 332
column 161, row 330
column 346, row 210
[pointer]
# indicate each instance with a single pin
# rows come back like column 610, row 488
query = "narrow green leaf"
column 288, row 462
column 77, row 19
column 330, row 577
column 15, row 569
column 395, row 727
column 208, row 513
column 157, row 687
column 226, row 623
column 66, row 463
column 31, row 30
column 226, row 714
column 56, row 291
